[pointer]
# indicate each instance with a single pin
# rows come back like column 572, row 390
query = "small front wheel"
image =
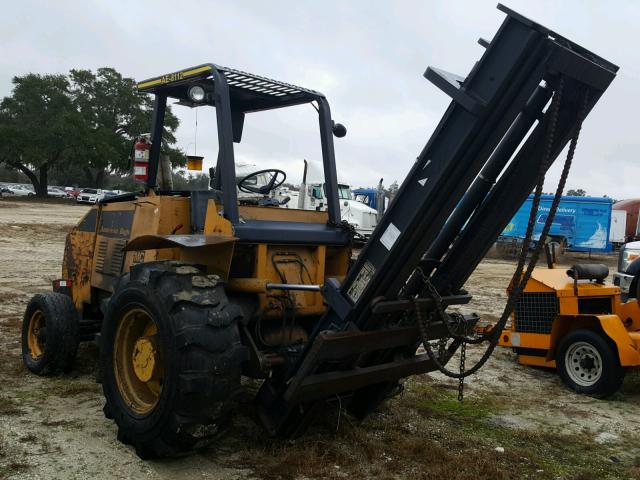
column 589, row 364
column 49, row 334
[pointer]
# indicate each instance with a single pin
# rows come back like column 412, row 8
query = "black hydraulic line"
column 157, row 123
column 488, row 175
column 482, row 184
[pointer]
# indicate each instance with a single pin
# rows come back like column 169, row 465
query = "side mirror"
column 339, row 130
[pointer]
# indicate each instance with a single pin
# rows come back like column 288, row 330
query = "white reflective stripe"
column 390, row 236
column 62, row 283
column 140, row 170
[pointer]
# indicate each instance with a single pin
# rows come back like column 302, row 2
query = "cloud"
column 368, row 57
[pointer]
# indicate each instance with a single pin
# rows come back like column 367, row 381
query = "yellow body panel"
column 628, row 351
column 78, row 257
column 249, row 212
column 298, row 264
column 536, row 361
column 94, row 259
column 557, row 280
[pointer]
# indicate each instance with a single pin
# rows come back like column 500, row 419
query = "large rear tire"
column 589, row 364
column 50, row 334
column 171, row 359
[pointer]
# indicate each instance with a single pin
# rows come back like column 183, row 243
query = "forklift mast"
column 478, row 167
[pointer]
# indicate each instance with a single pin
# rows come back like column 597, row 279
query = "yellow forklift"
column 186, row 292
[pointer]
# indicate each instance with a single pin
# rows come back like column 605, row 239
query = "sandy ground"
column 55, row 429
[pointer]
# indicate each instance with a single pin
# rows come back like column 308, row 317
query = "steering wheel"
column 273, row 183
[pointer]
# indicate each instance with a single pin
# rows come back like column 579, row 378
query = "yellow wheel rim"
column 137, row 361
column 34, row 339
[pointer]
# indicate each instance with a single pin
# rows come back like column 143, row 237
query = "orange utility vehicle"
column 573, row 321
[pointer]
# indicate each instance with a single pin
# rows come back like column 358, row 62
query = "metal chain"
column 442, row 345
column 444, row 316
column 518, row 281
column 463, row 359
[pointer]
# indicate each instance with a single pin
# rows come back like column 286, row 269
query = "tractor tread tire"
column 613, row 373
column 63, row 336
column 203, row 359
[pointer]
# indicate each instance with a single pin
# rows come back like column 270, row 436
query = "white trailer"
column 618, row 227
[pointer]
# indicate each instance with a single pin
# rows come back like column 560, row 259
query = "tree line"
column 78, row 128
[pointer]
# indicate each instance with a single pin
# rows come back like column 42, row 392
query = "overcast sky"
column 367, row 57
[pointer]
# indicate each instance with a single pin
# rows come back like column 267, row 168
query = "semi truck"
column 373, row 197
column 617, row 234
column 313, row 196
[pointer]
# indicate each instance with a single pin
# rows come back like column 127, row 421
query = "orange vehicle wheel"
column 50, row 334
column 588, row 363
column 171, row 359
column 138, row 361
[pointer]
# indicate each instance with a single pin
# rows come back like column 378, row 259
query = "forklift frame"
column 234, row 93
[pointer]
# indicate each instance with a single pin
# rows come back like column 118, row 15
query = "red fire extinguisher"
column 141, row 159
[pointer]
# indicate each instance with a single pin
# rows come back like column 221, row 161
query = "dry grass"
column 13, row 469
column 9, row 466
column 425, row 434
column 9, row 407
column 64, row 424
column 71, row 387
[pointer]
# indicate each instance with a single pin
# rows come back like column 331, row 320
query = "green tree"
column 38, row 126
column 189, row 181
column 392, row 190
column 113, row 114
column 577, row 193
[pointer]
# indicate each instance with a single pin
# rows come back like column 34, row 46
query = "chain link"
column 463, row 359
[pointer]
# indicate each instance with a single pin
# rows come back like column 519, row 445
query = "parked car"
column 56, row 192
column 90, row 195
column 5, row 191
column 72, row 192
column 107, row 195
column 21, row 191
